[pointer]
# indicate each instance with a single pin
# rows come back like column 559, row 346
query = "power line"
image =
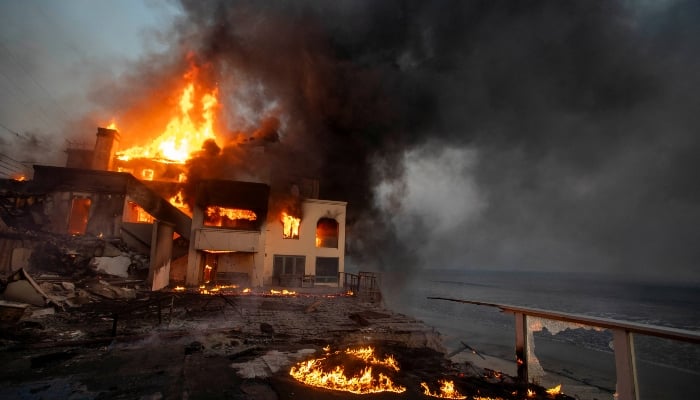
column 29, row 102
column 10, row 130
column 39, row 85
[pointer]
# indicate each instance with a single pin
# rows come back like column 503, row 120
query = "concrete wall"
column 313, row 210
column 105, row 215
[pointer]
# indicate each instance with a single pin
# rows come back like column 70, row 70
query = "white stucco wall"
column 313, row 210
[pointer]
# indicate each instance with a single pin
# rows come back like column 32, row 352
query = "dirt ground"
column 234, row 346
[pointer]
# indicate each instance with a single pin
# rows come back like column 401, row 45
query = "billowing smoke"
column 464, row 134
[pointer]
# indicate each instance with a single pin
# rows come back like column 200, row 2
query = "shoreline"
column 587, row 373
column 230, row 331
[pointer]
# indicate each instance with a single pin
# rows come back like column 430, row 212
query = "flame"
column 138, row 213
column 179, row 288
column 283, row 292
column 222, row 216
column 367, row 354
column 179, row 203
column 554, row 391
column 291, row 226
column 312, row 373
column 19, row 178
column 112, row 125
column 530, row 393
column 447, row 390
column 187, row 130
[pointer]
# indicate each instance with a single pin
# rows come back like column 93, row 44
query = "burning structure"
column 199, row 218
column 208, row 231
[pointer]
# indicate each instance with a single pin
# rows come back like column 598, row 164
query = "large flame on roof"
column 190, row 126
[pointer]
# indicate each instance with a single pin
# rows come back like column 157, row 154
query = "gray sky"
column 540, row 135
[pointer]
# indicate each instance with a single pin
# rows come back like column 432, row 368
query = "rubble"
column 186, row 344
column 23, row 289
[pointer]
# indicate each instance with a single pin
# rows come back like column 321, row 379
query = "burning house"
column 215, row 231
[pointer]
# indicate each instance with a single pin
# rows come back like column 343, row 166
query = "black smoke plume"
column 569, row 127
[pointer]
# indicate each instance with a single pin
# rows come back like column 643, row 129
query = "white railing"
column 623, row 343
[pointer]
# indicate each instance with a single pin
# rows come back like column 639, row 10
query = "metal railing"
column 623, row 343
column 365, row 285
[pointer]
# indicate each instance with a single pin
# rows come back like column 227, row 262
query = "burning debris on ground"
column 117, row 339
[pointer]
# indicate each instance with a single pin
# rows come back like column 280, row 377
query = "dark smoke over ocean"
column 545, row 135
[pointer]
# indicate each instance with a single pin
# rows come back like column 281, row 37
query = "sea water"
column 653, row 302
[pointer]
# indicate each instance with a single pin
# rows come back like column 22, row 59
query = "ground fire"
column 350, row 377
column 447, row 390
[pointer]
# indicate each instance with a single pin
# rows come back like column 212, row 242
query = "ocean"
column 666, row 369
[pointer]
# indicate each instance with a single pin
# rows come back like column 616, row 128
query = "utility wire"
column 39, row 85
column 29, row 102
column 11, row 131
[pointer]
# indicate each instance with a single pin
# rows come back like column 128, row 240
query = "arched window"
column 327, row 233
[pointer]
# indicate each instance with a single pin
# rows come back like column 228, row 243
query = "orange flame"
column 447, row 390
column 554, row 391
column 367, row 354
column 186, row 131
column 291, row 226
column 312, row 373
column 178, row 201
column 227, row 217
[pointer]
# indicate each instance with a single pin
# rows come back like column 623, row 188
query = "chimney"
column 105, row 146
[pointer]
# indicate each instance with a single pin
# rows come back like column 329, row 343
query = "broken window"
column 327, row 269
column 327, row 233
column 135, row 213
column 79, row 214
column 290, row 226
column 235, row 218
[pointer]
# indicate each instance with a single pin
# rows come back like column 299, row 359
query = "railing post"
column 625, row 366
column 521, row 350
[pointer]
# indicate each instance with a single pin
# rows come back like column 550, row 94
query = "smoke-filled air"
column 525, row 135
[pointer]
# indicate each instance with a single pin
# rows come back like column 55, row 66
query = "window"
column 327, row 233
column 288, row 265
column 290, row 226
column 135, row 213
column 235, row 218
column 79, row 214
column 326, row 269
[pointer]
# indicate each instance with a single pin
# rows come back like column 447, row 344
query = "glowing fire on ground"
column 283, row 292
column 186, row 131
column 290, row 226
column 554, row 391
column 315, row 373
column 447, row 390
